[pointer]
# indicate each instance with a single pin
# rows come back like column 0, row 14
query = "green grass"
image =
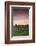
column 21, row 30
column 17, row 33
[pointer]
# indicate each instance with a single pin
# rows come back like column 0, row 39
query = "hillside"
column 21, row 30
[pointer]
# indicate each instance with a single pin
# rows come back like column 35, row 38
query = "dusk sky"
column 21, row 17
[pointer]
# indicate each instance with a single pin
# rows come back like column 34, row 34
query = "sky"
column 20, row 17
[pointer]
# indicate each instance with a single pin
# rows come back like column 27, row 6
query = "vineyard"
column 21, row 30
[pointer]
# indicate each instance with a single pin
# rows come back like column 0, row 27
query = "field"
column 21, row 30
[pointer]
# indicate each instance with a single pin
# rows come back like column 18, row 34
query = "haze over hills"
column 21, row 19
column 20, row 15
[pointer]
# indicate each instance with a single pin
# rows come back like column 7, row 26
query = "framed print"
column 19, row 22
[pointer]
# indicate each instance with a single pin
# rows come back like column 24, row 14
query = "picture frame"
column 10, row 9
